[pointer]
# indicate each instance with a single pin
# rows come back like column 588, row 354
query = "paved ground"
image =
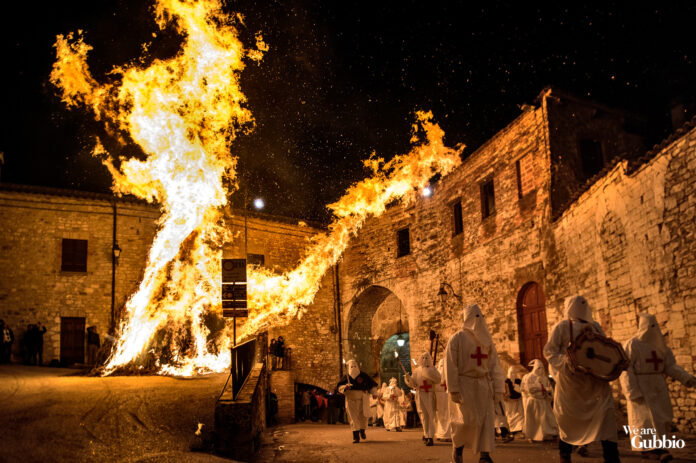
column 319, row 443
column 56, row 415
column 51, row 415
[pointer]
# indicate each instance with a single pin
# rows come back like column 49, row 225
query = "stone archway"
column 376, row 315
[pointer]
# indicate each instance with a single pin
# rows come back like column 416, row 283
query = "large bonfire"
column 184, row 113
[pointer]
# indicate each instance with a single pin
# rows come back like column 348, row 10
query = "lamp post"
column 444, row 294
column 115, row 254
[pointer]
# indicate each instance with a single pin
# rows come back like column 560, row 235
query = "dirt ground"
column 317, row 443
column 54, row 415
column 58, row 415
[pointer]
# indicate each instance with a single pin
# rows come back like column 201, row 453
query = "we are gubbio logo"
column 647, row 438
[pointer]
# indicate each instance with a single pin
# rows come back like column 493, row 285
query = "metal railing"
column 243, row 357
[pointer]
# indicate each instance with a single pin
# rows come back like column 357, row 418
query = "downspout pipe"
column 112, row 327
column 337, row 296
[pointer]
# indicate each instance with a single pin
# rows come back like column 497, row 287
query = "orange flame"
column 184, row 112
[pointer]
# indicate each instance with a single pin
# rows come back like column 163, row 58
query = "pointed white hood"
column 649, row 331
column 474, row 322
column 426, row 361
column 578, row 309
column 513, row 374
column 538, row 367
column 353, row 369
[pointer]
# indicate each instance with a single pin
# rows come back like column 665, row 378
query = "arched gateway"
column 375, row 321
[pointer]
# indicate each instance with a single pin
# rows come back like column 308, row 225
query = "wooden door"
column 531, row 316
column 72, row 340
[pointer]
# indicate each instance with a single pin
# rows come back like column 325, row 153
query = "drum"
column 598, row 356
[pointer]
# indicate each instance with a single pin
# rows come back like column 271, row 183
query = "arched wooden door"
column 531, row 319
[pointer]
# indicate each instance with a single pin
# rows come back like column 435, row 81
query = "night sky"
column 342, row 79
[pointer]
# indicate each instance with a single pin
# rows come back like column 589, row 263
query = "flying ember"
column 184, row 112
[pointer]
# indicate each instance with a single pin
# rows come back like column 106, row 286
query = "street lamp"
column 259, row 204
column 117, row 252
column 443, row 294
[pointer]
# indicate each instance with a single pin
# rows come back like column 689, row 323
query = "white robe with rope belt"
column 473, row 371
column 423, row 381
column 539, row 421
column 645, row 387
column 442, row 422
column 583, row 405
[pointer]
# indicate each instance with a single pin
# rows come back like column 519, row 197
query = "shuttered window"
column 74, row 255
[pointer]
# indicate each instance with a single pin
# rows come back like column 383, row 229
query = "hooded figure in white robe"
column 391, row 396
column 357, row 386
column 644, row 382
column 380, row 403
column 539, row 421
column 514, row 409
column 424, row 378
column 442, row 421
column 583, row 405
column 475, row 381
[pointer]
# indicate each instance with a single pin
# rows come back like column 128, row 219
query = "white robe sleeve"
column 554, row 350
column 432, row 375
column 342, row 388
column 497, row 375
column 409, row 380
column 451, row 365
column 673, row 370
column 628, row 379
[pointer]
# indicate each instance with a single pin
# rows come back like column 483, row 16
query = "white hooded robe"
column 442, row 421
column 391, row 396
column 644, row 382
column 473, row 371
column 514, row 409
column 539, row 421
column 583, row 405
column 357, row 401
column 423, row 380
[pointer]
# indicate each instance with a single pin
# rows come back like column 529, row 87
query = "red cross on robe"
column 655, row 360
column 426, row 386
column 444, row 386
column 478, row 356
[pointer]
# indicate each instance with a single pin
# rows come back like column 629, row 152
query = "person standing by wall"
column 93, row 344
column 7, row 338
column 39, row 331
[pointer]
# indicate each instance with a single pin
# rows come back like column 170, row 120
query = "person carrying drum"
column 644, row 385
column 583, row 404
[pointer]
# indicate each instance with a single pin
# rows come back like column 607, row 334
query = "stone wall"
column 488, row 262
column 628, row 245
column 33, row 287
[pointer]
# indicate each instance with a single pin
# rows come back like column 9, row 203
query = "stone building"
column 58, row 267
column 562, row 201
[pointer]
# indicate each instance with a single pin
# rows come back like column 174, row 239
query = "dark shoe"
column 582, row 451
column 356, row 437
column 362, row 434
column 429, row 442
column 398, row 429
column 457, row 454
column 485, row 458
column 508, row 438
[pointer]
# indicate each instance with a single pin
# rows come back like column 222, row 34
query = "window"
column 403, row 243
column 525, row 175
column 74, row 256
column 457, row 214
column 487, row 199
column 591, row 156
column 255, row 259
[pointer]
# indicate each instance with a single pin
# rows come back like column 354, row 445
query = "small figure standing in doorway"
column 93, row 344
